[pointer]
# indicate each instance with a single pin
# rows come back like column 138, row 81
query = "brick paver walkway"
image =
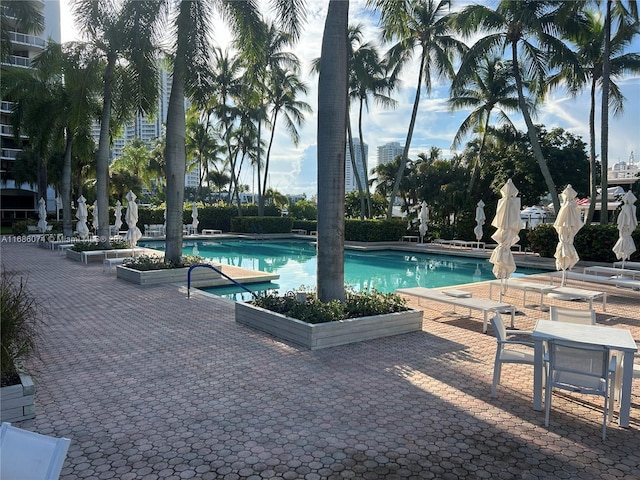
column 148, row 384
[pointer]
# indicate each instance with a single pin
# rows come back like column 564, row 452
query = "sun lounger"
column 541, row 288
column 630, row 265
column 483, row 304
column 570, row 293
column 584, row 277
column 634, row 274
column 114, row 253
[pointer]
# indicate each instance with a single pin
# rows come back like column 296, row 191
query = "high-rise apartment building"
column 350, row 182
column 389, row 151
column 20, row 200
column 150, row 128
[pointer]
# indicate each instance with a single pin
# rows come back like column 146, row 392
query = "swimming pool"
column 295, row 262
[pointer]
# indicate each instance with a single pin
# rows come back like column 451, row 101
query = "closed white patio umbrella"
column 42, row 215
column 131, row 217
column 118, row 222
column 95, row 222
column 507, row 222
column 480, row 219
column 194, row 217
column 627, row 223
column 81, row 215
column 424, row 220
column 567, row 225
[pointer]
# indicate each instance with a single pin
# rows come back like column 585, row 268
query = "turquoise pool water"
column 295, row 262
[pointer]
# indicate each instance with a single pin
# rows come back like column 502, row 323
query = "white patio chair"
column 571, row 315
column 581, row 368
column 28, row 455
column 508, row 354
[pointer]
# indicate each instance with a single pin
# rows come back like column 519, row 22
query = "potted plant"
column 151, row 270
column 301, row 318
column 21, row 318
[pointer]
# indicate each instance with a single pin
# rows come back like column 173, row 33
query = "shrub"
column 149, row 262
column 261, row 224
column 90, row 246
column 20, row 228
column 356, row 305
column 21, row 317
column 374, row 230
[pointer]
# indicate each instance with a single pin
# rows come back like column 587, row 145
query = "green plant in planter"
column 21, row 319
column 311, row 310
column 145, row 263
column 90, row 246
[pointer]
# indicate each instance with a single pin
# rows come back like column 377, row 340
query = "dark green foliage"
column 303, row 210
column 210, row 217
column 146, row 262
column 20, row 228
column 374, row 230
column 356, row 305
column 21, row 318
column 89, row 246
column 308, row 225
column 593, row 242
column 260, row 225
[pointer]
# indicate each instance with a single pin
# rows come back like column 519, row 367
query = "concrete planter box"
column 200, row 277
column 17, row 401
column 323, row 335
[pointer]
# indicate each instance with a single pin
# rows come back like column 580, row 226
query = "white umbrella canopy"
column 42, row 215
column 627, row 223
column 194, row 217
column 567, row 224
column 131, row 217
column 118, row 222
column 424, row 220
column 81, row 215
column 507, row 223
column 95, row 222
column 480, row 219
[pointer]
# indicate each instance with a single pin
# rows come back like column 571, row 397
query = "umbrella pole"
column 564, row 277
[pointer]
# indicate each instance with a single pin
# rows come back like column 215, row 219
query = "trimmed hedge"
column 374, row 230
column 593, row 243
column 261, row 225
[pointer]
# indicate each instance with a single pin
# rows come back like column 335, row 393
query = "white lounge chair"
column 582, row 368
column 571, row 315
column 29, row 455
column 509, row 354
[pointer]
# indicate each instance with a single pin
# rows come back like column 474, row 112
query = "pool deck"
column 148, row 384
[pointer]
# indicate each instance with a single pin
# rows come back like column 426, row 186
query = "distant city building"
column 149, row 128
column 389, row 151
column 19, row 200
column 350, row 182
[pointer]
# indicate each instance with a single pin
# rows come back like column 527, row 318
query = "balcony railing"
column 19, row 61
column 26, row 39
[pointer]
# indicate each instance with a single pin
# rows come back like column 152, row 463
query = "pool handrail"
column 235, row 282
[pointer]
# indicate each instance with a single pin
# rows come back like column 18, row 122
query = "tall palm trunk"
column 604, row 117
column 67, row 226
column 407, row 144
column 476, row 167
column 102, row 162
column 593, row 179
column 365, row 173
column 261, row 198
column 531, row 130
column 176, row 162
column 332, row 130
column 354, row 168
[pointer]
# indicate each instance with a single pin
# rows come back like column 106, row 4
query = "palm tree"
column 191, row 59
column 120, row 31
column 28, row 18
column 424, row 25
column 367, row 76
column 490, row 87
column 590, row 43
column 333, row 85
column 614, row 9
column 57, row 102
column 202, row 146
column 525, row 29
column 283, row 89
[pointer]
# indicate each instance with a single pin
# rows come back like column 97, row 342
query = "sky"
column 293, row 168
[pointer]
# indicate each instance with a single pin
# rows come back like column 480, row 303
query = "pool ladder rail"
column 206, row 265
